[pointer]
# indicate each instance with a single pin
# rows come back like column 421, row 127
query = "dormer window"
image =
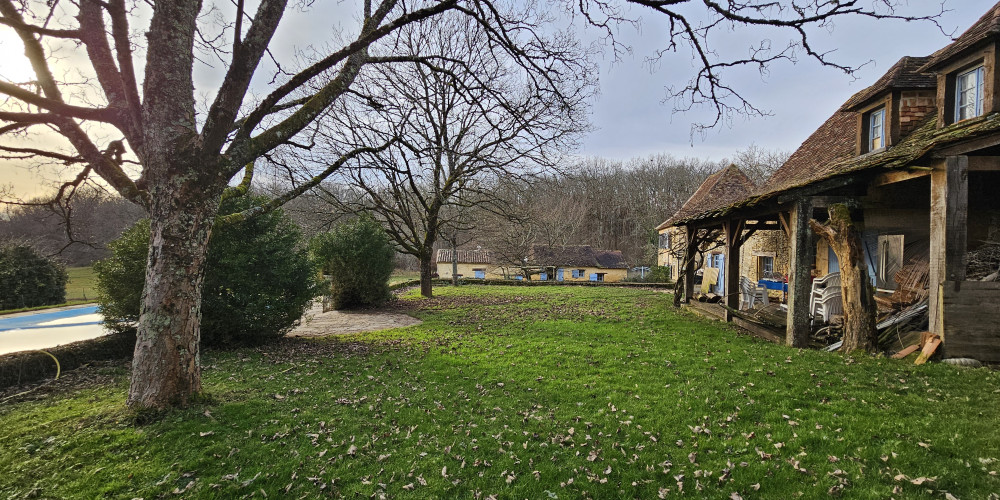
column 969, row 94
column 876, row 129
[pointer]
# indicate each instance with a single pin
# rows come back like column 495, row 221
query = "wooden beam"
column 969, row 146
column 690, row 235
column 822, row 186
column 734, row 232
column 825, row 201
column 899, row 176
column 803, row 253
column 948, row 232
column 783, row 219
column 984, row 163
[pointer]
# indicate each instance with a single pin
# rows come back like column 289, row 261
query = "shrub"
column 659, row 274
column 28, row 278
column 258, row 278
column 359, row 258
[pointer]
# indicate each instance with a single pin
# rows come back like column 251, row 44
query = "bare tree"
column 183, row 155
column 457, row 121
column 759, row 163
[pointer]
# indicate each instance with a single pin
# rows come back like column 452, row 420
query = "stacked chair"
column 825, row 300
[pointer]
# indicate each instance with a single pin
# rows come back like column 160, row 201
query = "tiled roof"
column 611, row 259
column 464, row 256
column 576, row 255
column 913, row 147
column 831, row 142
column 719, row 189
column 986, row 27
column 905, row 74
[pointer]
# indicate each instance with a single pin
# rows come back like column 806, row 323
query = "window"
column 765, row 267
column 969, row 94
column 480, row 273
column 876, row 129
column 600, row 276
column 665, row 240
column 890, row 259
column 579, row 273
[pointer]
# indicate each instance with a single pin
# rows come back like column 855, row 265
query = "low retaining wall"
column 24, row 367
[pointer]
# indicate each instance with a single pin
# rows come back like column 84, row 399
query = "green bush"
column 258, row 278
column 659, row 274
column 359, row 258
column 28, row 278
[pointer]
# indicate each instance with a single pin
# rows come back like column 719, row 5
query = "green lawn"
column 81, row 288
column 516, row 392
column 399, row 276
column 82, row 284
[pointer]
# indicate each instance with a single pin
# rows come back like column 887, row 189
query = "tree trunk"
column 454, row 264
column 166, row 368
column 856, row 288
column 425, row 273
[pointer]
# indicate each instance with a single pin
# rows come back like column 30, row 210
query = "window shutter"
column 593, row 277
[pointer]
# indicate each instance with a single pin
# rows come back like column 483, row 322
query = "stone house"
column 578, row 263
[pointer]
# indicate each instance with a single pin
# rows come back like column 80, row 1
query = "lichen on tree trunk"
column 857, row 295
column 166, row 367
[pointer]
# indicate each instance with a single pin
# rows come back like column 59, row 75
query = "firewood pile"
column 984, row 263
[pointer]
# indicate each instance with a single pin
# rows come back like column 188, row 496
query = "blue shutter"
column 559, row 274
column 593, row 277
column 574, row 273
column 480, row 274
column 543, row 276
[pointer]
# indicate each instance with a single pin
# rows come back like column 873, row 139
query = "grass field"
column 543, row 392
column 81, row 288
column 82, row 284
column 399, row 276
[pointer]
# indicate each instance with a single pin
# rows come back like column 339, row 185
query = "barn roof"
column 982, row 30
column 464, row 256
column 904, row 75
column 576, row 255
column 719, row 189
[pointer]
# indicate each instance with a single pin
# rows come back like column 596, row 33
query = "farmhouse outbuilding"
column 915, row 161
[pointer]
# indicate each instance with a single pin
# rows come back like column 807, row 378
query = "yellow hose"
column 58, row 368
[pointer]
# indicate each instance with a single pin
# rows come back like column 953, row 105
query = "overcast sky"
column 633, row 120
column 630, row 116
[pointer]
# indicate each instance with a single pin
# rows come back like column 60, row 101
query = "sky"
column 631, row 117
column 634, row 120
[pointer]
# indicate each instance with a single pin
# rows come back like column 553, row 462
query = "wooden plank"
column 971, row 318
column 759, row 330
column 906, row 352
column 928, row 350
column 800, row 278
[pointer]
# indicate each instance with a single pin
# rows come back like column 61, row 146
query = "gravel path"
column 317, row 323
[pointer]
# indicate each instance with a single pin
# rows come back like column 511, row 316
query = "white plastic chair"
column 751, row 293
column 828, row 304
column 821, row 284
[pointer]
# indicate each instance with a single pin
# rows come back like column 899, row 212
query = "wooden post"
column 949, row 228
column 690, row 250
column 733, row 230
column 803, row 251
